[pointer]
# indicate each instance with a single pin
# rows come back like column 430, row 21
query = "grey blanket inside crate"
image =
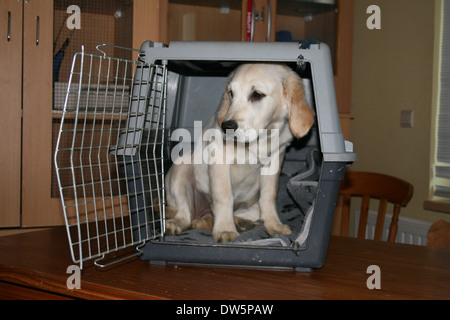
column 297, row 192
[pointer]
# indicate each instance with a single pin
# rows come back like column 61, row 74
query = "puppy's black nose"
column 229, row 125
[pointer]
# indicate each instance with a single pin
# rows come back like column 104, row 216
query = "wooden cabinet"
column 11, row 111
column 217, row 20
column 26, row 28
column 32, row 33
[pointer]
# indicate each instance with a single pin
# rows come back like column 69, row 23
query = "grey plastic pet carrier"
column 115, row 143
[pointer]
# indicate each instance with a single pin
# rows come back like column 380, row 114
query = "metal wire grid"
column 109, row 155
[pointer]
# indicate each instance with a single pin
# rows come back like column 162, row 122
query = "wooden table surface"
column 34, row 265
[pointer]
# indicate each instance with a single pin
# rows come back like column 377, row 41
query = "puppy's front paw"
column 278, row 228
column 243, row 225
column 225, row 236
column 204, row 223
column 175, row 226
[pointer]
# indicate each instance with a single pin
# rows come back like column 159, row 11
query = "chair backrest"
column 368, row 185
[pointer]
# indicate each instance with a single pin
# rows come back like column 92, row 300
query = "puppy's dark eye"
column 230, row 93
column 256, row 96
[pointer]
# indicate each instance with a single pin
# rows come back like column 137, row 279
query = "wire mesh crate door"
column 141, row 146
column 109, row 159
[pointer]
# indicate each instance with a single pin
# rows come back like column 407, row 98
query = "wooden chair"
column 368, row 185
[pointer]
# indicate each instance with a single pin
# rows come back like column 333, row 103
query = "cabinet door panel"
column 11, row 109
column 38, row 208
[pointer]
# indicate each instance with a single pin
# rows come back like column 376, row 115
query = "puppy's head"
column 263, row 96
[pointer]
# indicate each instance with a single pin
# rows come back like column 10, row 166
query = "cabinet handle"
column 269, row 20
column 37, row 30
column 8, row 36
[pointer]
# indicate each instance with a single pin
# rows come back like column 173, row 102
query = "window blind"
column 443, row 144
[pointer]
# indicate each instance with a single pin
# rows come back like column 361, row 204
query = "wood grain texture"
column 11, row 112
column 38, row 208
column 40, row 259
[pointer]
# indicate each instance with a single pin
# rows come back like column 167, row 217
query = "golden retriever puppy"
column 233, row 173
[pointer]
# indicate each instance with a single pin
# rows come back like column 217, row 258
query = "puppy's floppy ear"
column 301, row 116
column 223, row 107
column 225, row 103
